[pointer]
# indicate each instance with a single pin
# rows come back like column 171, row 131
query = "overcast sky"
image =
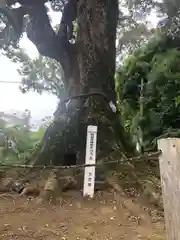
column 10, row 96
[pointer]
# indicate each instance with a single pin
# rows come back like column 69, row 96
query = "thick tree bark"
column 97, row 33
column 89, row 66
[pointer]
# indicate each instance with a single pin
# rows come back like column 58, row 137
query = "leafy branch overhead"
column 42, row 74
column 33, row 18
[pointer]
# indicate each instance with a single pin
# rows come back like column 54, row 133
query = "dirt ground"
column 108, row 216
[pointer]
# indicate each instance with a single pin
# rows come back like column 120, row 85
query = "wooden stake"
column 169, row 162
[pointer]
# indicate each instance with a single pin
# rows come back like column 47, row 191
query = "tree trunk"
column 89, row 69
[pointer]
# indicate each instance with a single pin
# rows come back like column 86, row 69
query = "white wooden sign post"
column 89, row 172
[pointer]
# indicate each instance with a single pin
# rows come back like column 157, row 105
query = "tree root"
column 8, row 195
column 4, row 189
column 51, row 189
column 115, row 186
column 30, row 191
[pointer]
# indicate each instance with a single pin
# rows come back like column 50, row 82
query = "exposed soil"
column 108, row 216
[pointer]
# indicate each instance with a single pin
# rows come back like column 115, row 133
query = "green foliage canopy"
column 158, row 64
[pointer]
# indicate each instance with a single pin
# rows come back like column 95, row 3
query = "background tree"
column 17, row 140
column 157, row 63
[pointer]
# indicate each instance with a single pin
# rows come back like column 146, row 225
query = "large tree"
column 89, row 68
column 88, row 64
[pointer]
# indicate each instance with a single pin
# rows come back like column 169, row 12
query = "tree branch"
column 48, row 43
column 40, row 32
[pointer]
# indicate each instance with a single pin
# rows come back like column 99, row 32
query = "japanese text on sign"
column 89, row 173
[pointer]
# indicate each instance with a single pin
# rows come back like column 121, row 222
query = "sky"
column 11, row 99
